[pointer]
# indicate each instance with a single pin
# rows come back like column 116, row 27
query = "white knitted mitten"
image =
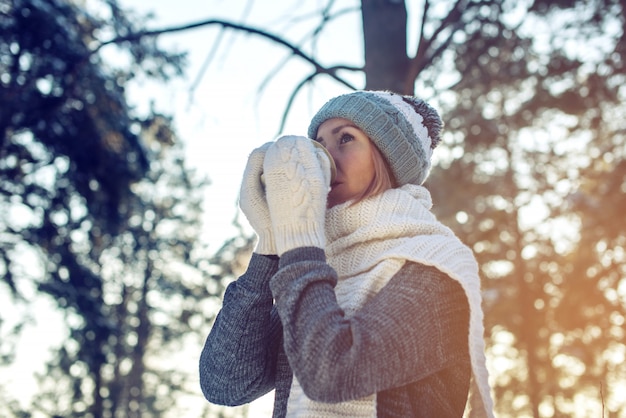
column 253, row 204
column 297, row 178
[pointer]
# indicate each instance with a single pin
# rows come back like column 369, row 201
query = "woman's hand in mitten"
column 297, row 181
column 253, row 203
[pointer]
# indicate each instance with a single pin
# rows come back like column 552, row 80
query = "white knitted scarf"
column 367, row 244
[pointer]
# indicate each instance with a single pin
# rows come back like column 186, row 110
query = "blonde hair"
column 383, row 176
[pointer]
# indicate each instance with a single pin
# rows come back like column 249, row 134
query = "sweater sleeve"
column 238, row 361
column 415, row 327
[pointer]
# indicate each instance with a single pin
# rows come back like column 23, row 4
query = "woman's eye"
column 345, row 138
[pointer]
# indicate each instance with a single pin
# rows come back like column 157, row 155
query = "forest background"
column 124, row 137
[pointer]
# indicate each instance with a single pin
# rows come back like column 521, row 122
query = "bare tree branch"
column 312, row 37
column 213, row 51
column 420, row 51
column 452, row 21
column 428, row 58
column 292, row 97
column 207, row 62
column 418, row 63
column 300, row 85
column 319, row 69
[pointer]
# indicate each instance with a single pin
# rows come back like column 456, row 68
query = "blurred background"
column 126, row 126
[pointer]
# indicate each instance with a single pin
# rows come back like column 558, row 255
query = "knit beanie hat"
column 404, row 128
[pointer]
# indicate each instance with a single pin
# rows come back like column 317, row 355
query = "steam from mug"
column 333, row 167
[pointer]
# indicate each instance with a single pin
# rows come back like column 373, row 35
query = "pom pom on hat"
column 404, row 128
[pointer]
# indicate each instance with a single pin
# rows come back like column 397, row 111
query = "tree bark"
column 384, row 34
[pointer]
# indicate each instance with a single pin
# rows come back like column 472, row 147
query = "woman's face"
column 352, row 151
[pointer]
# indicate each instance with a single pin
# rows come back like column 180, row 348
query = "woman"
column 357, row 301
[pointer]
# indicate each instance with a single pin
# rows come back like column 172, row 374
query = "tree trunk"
column 384, row 35
column 136, row 385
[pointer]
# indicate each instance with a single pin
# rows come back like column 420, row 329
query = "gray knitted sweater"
column 408, row 344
